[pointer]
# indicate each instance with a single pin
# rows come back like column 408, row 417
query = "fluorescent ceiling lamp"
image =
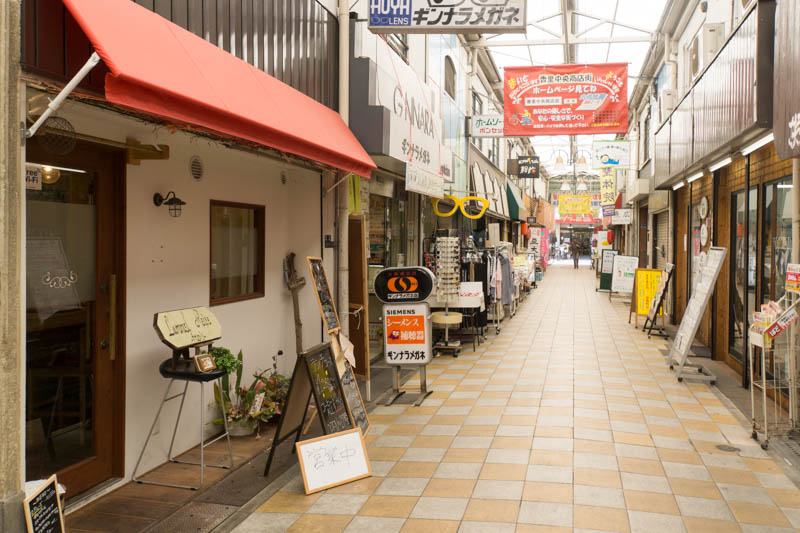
column 784, row 185
column 49, row 167
column 694, row 177
column 678, row 185
column 758, row 144
column 725, row 162
column 565, row 186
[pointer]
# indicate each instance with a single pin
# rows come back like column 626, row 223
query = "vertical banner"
column 565, row 99
column 608, row 190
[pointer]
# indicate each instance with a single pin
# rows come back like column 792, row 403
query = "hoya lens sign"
column 447, row 16
column 404, row 285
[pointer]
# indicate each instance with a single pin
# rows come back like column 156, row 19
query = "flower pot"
column 240, row 428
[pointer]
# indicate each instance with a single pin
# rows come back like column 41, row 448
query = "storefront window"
column 388, row 228
column 237, row 252
column 777, row 235
column 743, row 260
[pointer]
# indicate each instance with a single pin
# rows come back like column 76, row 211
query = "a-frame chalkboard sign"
column 314, row 375
column 657, row 303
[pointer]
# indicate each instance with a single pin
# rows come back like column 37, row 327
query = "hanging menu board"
column 355, row 403
column 606, row 268
column 323, row 291
column 698, row 302
column 43, row 512
column 623, row 273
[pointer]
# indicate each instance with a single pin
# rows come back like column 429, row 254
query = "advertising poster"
column 608, row 191
column 407, row 334
column 793, row 277
column 569, row 204
column 486, row 126
column 647, row 283
column 623, row 273
column 566, row 99
column 454, row 16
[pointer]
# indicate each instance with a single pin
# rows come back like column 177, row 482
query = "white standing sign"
column 447, row 16
column 607, row 266
column 623, row 273
column 486, row 126
column 333, row 460
column 407, row 334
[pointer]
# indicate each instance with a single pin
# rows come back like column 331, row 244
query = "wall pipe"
column 343, row 193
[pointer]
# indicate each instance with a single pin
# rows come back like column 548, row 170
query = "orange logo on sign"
column 405, row 329
column 402, row 284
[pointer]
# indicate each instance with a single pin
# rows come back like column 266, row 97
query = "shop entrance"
column 74, row 314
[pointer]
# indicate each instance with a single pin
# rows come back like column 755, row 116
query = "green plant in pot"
column 247, row 407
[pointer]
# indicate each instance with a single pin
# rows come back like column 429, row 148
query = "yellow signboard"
column 569, row 204
column 608, row 194
column 646, row 285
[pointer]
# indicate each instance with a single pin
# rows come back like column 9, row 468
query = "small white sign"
column 33, row 178
column 333, row 460
column 622, row 216
column 421, row 181
column 486, row 126
column 624, row 273
column 611, row 154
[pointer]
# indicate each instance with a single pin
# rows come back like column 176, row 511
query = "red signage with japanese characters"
column 566, row 99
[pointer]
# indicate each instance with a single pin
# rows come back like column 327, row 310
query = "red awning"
column 160, row 68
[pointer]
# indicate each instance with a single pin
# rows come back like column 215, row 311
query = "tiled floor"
column 569, row 420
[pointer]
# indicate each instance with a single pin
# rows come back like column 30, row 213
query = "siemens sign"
column 390, row 13
column 447, row 16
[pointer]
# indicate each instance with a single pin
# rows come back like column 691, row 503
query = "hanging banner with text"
column 453, row 16
column 608, row 191
column 566, row 99
column 615, row 154
column 569, row 204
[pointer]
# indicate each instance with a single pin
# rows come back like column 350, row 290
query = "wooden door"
column 359, row 324
column 75, row 285
column 643, row 237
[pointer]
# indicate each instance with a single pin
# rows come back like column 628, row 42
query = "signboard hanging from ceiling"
column 615, row 154
column 528, row 167
column 447, row 16
column 565, row 99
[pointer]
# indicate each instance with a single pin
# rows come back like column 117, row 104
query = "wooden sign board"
column 43, row 513
column 333, row 460
column 314, row 375
column 185, row 328
column 645, row 285
column 324, row 297
column 355, row 404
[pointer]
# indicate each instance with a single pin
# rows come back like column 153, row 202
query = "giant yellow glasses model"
column 460, row 203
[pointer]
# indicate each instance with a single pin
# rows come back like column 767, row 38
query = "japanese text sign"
column 574, row 204
column 566, row 99
column 611, row 154
column 486, row 126
column 528, row 167
column 407, row 334
column 608, row 191
column 793, row 277
column 622, row 217
column 647, row 283
column 447, row 16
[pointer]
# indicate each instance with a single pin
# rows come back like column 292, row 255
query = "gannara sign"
column 447, row 16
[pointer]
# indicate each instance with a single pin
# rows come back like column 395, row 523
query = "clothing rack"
column 497, row 303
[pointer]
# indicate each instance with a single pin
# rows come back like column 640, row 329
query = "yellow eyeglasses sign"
column 460, row 203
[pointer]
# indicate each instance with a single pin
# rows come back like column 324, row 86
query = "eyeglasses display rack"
column 448, row 266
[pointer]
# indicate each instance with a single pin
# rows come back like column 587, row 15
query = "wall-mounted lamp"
column 170, row 200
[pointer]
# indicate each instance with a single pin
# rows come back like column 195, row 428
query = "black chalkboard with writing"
column 327, row 389
column 323, row 291
column 354, row 401
column 43, row 509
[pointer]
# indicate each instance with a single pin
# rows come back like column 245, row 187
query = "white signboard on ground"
column 447, row 16
column 622, row 216
column 607, row 266
column 333, row 460
column 486, row 126
column 611, row 154
column 623, row 273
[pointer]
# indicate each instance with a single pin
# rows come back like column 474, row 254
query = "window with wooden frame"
column 237, row 252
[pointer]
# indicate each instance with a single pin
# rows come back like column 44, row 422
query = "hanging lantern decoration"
column 610, row 236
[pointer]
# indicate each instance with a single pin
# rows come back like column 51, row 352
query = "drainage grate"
column 792, row 442
column 727, row 448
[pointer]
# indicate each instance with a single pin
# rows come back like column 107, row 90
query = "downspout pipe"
column 342, row 193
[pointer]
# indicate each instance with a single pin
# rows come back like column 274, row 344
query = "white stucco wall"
column 168, row 265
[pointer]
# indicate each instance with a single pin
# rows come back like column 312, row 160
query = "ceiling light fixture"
column 678, row 185
column 694, row 177
column 724, row 163
column 758, row 144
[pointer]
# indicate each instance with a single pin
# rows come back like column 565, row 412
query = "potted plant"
column 248, row 407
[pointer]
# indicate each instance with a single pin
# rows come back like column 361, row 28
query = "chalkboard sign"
column 43, row 509
column 323, row 292
column 355, row 404
column 314, row 374
column 327, row 389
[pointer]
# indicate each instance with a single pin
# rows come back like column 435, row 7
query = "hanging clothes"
column 507, row 280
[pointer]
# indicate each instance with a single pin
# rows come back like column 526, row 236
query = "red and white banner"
column 566, row 99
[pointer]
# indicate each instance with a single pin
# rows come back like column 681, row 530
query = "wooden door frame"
column 115, row 234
